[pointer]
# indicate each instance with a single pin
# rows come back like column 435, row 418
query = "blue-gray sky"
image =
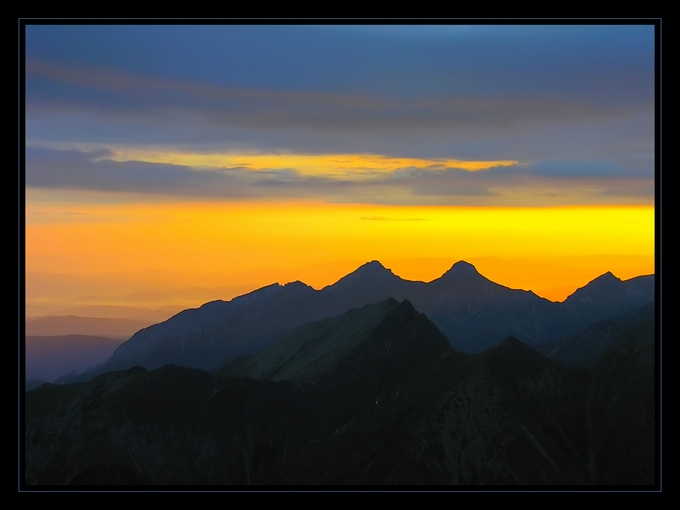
column 572, row 107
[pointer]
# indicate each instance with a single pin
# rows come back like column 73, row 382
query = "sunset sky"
column 170, row 165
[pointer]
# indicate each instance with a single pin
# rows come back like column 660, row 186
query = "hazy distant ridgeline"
column 53, row 325
column 61, row 345
column 50, row 357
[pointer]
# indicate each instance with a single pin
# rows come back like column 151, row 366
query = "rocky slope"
column 373, row 397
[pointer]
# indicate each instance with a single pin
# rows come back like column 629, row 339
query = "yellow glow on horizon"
column 299, row 233
column 306, row 164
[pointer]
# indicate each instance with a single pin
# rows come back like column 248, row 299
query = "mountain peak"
column 607, row 276
column 513, row 347
column 462, row 268
column 511, row 341
column 372, row 268
column 372, row 271
column 296, row 284
column 605, row 279
column 373, row 265
column 406, row 306
column 603, row 287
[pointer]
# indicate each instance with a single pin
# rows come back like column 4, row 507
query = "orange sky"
column 211, row 161
column 227, row 248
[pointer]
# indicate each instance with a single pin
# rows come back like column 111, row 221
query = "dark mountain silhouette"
column 607, row 296
column 372, row 274
column 217, row 331
column 587, row 346
column 624, row 409
column 473, row 312
column 373, row 396
column 476, row 313
column 313, row 348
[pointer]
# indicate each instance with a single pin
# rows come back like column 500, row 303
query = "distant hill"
column 50, row 357
column 54, row 325
column 147, row 315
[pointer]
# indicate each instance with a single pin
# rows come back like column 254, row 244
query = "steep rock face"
column 313, row 348
column 176, row 425
column 503, row 417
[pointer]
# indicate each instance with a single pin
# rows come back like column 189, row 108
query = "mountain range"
column 473, row 313
column 373, row 396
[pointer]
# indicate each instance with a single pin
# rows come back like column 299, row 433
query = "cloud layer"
column 572, row 105
column 550, row 183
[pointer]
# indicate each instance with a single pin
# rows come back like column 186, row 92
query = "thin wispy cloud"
column 507, row 184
